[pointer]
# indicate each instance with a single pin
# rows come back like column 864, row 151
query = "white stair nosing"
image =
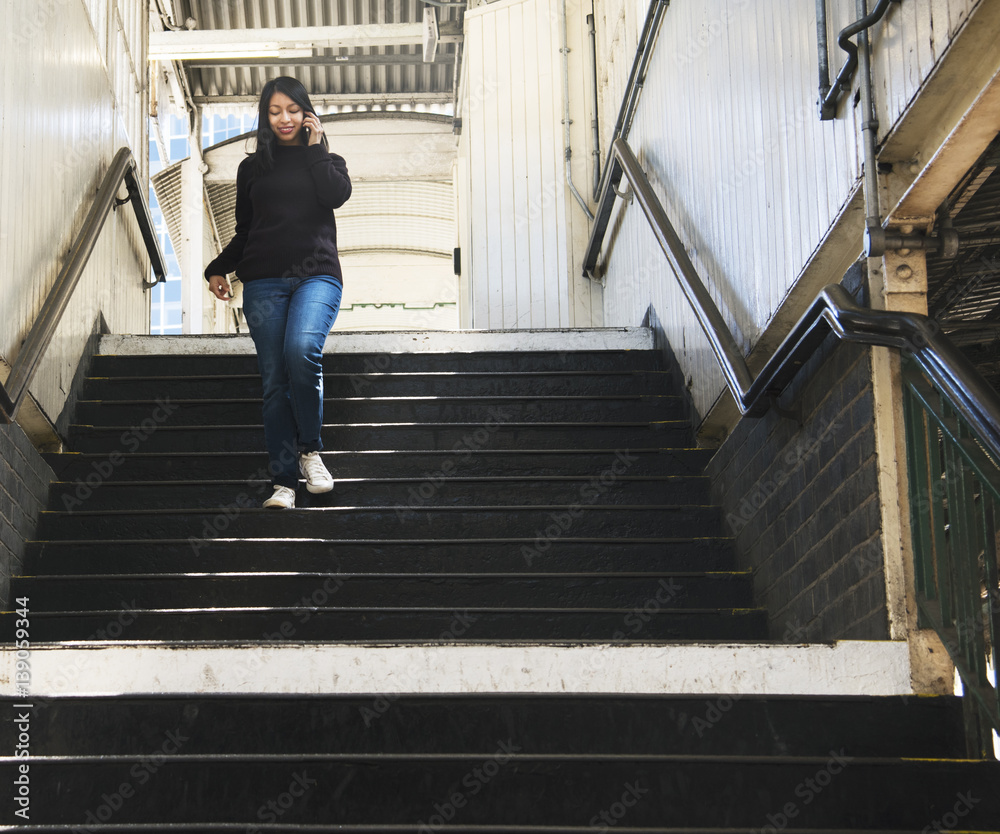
column 397, row 342
column 842, row 668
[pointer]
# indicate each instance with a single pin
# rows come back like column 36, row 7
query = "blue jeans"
column 289, row 319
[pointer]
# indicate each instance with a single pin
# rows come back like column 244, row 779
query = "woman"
column 285, row 253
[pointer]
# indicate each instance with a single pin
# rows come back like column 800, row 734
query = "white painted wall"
column 398, row 290
column 72, row 91
column 396, row 234
column 727, row 131
column 525, row 233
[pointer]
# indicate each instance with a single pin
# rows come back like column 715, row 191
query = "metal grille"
column 380, row 74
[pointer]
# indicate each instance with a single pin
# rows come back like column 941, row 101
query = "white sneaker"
column 318, row 477
column 283, row 498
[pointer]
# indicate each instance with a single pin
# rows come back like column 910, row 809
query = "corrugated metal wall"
column 526, row 232
column 73, row 81
column 728, row 132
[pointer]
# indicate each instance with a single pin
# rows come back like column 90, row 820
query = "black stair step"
column 95, row 468
column 394, row 410
column 400, row 625
column 379, row 556
column 709, row 725
column 369, row 363
column 402, row 493
column 417, row 436
column 446, row 384
column 165, row 591
column 504, row 787
column 545, row 524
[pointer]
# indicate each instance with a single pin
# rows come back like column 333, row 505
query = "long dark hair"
column 263, row 156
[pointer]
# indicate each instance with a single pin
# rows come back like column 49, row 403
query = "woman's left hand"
column 312, row 122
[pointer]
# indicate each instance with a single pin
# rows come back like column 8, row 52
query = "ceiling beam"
column 321, row 61
column 183, row 45
column 401, row 97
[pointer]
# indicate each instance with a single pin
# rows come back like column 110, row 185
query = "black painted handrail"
column 833, row 310
column 123, row 169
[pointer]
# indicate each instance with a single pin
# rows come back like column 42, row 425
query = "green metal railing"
column 954, row 498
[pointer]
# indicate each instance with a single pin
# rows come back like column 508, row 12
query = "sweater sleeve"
column 229, row 257
column 329, row 172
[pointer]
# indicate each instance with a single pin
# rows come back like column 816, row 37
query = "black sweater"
column 284, row 220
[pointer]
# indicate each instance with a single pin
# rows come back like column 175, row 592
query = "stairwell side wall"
column 727, row 131
column 803, row 503
column 24, row 485
column 74, row 90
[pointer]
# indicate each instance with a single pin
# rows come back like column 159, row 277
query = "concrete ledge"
column 844, row 668
column 413, row 341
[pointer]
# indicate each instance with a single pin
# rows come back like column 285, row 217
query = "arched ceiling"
column 401, row 169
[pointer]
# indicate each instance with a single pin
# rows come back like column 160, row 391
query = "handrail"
column 833, row 310
column 636, row 78
column 966, row 393
column 123, row 168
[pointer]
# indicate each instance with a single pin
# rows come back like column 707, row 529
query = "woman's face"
column 286, row 118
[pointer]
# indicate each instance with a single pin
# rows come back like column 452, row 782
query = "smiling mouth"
column 285, row 129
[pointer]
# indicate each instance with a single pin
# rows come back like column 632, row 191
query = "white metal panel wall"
column 526, row 233
column 72, row 91
column 907, row 47
column 727, row 131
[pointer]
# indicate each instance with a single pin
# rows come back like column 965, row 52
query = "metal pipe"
column 595, row 122
column 42, row 330
column 829, row 101
column 567, row 121
column 635, row 80
column 869, row 123
column 824, row 55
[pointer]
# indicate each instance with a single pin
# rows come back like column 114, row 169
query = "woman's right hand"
column 219, row 287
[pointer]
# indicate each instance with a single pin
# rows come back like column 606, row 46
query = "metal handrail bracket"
column 25, row 365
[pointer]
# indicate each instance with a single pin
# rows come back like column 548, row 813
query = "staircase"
column 536, row 498
column 542, row 495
